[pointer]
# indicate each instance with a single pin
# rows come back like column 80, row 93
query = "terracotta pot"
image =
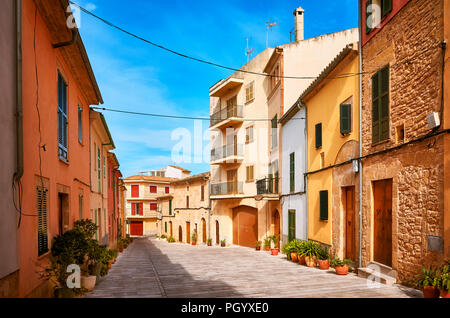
column 258, row 248
column 267, row 248
column 121, row 250
column 310, row 261
column 430, row 292
column 222, row 245
column 194, row 243
column 109, row 266
column 341, row 270
column 294, row 257
column 445, row 293
column 88, row 282
column 324, row 264
column 301, row 260
column 209, row 244
column 274, row 251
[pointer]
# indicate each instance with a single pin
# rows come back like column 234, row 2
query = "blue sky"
column 135, row 76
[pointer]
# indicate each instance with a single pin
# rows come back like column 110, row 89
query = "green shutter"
column 346, row 118
column 380, row 105
column 368, row 28
column 170, row 207
column 291, row 221
column 319, row 135
column 292, row 172
column 386, row 7
column 324, row 205
column 165, row 227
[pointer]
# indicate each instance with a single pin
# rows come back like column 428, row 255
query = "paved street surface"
column 154, row 268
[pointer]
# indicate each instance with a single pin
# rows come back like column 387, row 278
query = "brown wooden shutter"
column 141, row 209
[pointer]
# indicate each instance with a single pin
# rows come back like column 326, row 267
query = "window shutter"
column 202, row 189
column 324, row 205
column 42, row 209
column 291, row 225
column 319, row 135
column 135, row 191
column 133, row 208
column 345, row 118
column 141, row 209
column 375, row 109
column 170, row 207
column 368, row 14
column 187, row 201
column 380, row 105
column 386, row 7
column 292, row 172
column 165, row 227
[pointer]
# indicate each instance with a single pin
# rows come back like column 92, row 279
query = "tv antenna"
column 248, row 52
column 269, row 25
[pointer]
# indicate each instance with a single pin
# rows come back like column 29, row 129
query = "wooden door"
column 383, row 221
column 204, row 230
column 136, row 228
column 180, row 234
column 245, row 226
column 217, row 233
column 188, row 232
column 232, row 181
column 171, row 228
column 349, row 199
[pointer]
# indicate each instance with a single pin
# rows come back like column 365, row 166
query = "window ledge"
column 250, row 101
column 380, row 142
column 65, row 161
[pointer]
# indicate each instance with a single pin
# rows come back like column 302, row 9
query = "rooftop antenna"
column 270, row 25
column 248, row 52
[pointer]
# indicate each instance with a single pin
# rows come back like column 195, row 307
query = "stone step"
column 383, row 269
column 376, row 276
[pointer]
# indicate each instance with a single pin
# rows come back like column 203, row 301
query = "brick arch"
column 350, row 149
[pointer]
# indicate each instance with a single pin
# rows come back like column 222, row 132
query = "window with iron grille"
column 42, row 211
column 62, row 118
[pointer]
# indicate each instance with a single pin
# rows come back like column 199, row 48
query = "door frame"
column 373, row 215
column 344, row 200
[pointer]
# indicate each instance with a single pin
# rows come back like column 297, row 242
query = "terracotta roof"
column 195, row 177
column 150, row 178
column 179, row 168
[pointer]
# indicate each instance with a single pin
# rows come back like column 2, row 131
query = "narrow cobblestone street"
column 155, row 268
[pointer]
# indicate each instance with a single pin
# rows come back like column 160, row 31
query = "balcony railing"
column 226, row 113
column 227, row 151
column 267, row 185
column 226, row 188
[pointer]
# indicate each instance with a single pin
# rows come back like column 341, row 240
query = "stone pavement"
column 154, row 268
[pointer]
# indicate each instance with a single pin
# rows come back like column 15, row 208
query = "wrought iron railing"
column 268, row 185
column 227, row 151
column 226, row 113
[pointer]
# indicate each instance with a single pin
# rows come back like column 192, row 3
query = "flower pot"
column 274, row 251
column 301, row 260
column 294, row 257
column 324, row 264
column 109, row 266
column 194, row 243
column 267, row 248
column 310, row 261
column 258, row 248
column 341, row 270
column 430, row 292
column 445, row 293
column 121, row 250
column 88, row 282
column 222, row 245
column 209, row 244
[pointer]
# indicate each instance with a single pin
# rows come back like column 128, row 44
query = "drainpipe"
column 19, row 108
column 360, row 134
column 209, row 208
column 305, row 181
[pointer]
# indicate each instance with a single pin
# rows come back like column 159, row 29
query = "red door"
column 137, row 228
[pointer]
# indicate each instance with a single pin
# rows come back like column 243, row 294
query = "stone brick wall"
column 409, row 43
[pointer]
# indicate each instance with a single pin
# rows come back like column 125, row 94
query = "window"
column 104, row 167
column 291, row 225
column 249, row 134
column 62, row 118
column 275, row 77
column 80, row 124
column 80, row 207
column 153, row 189
column 167, row 190
column 170, row 207
column 292, row 172
column 345, row 119
column 319, row 135
column 380, row 105
column 99, row 171
column 376, row 10
column 165, row 227
column 274, row 126
column 249, row 173
column 187, row 201
column 135, row 191
column 249, row 92
column 202, row 193
column 153, row 206
column 323, row 205
column 42, row 211
column 137, row 209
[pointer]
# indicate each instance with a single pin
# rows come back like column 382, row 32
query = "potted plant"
column 273, row 245
column 194, row 238
column 323, row 258
column 427, row 282
column 222, row 243
column 171, row 240
column 209, row 242
column 258, row 245
column 299, row 248
column 310, row 251
column 340, row 266
column 120, row 246
column 267, row 243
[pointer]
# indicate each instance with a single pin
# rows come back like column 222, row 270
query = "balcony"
column 267, row 186
column 232, row 153
column 228, row 116
column 148, row 214
column 224, row 86
column 230, row 189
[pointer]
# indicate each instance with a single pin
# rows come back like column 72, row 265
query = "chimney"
column 299, row 24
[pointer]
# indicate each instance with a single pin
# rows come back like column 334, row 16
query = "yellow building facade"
column 332, row 142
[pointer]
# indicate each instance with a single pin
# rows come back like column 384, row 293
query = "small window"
column 345, row 119
column 202, row 193
column 249, row 135
column 400, row 134
column 170, row 207
column 319, row 135
column 62, row 118
column 165, row 227
column 167, row 190
column 80, row 124
column 380, row 105
column 249, row 92
column 153, row 206
column 292, row 172
column 324, row 205
column 249, row 173
column 153, row 189
column 135, row 191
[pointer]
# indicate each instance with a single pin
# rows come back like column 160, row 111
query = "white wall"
column 294, row 140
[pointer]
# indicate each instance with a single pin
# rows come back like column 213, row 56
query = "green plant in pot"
column 171, row 240
column 267, row 243
column 258, row 245
column 194, row 238
column 427, row 281
column 209, row 242
column 310, row 251
column 323, row 258
column 223, row 242
column 273, row 245
column 340, row 266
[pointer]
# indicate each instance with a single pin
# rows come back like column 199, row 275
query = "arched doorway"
column 276, row 225
column 245, row 226
column 171, row 229
column 217, row 233
column 204, row 230
column 180, row 234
